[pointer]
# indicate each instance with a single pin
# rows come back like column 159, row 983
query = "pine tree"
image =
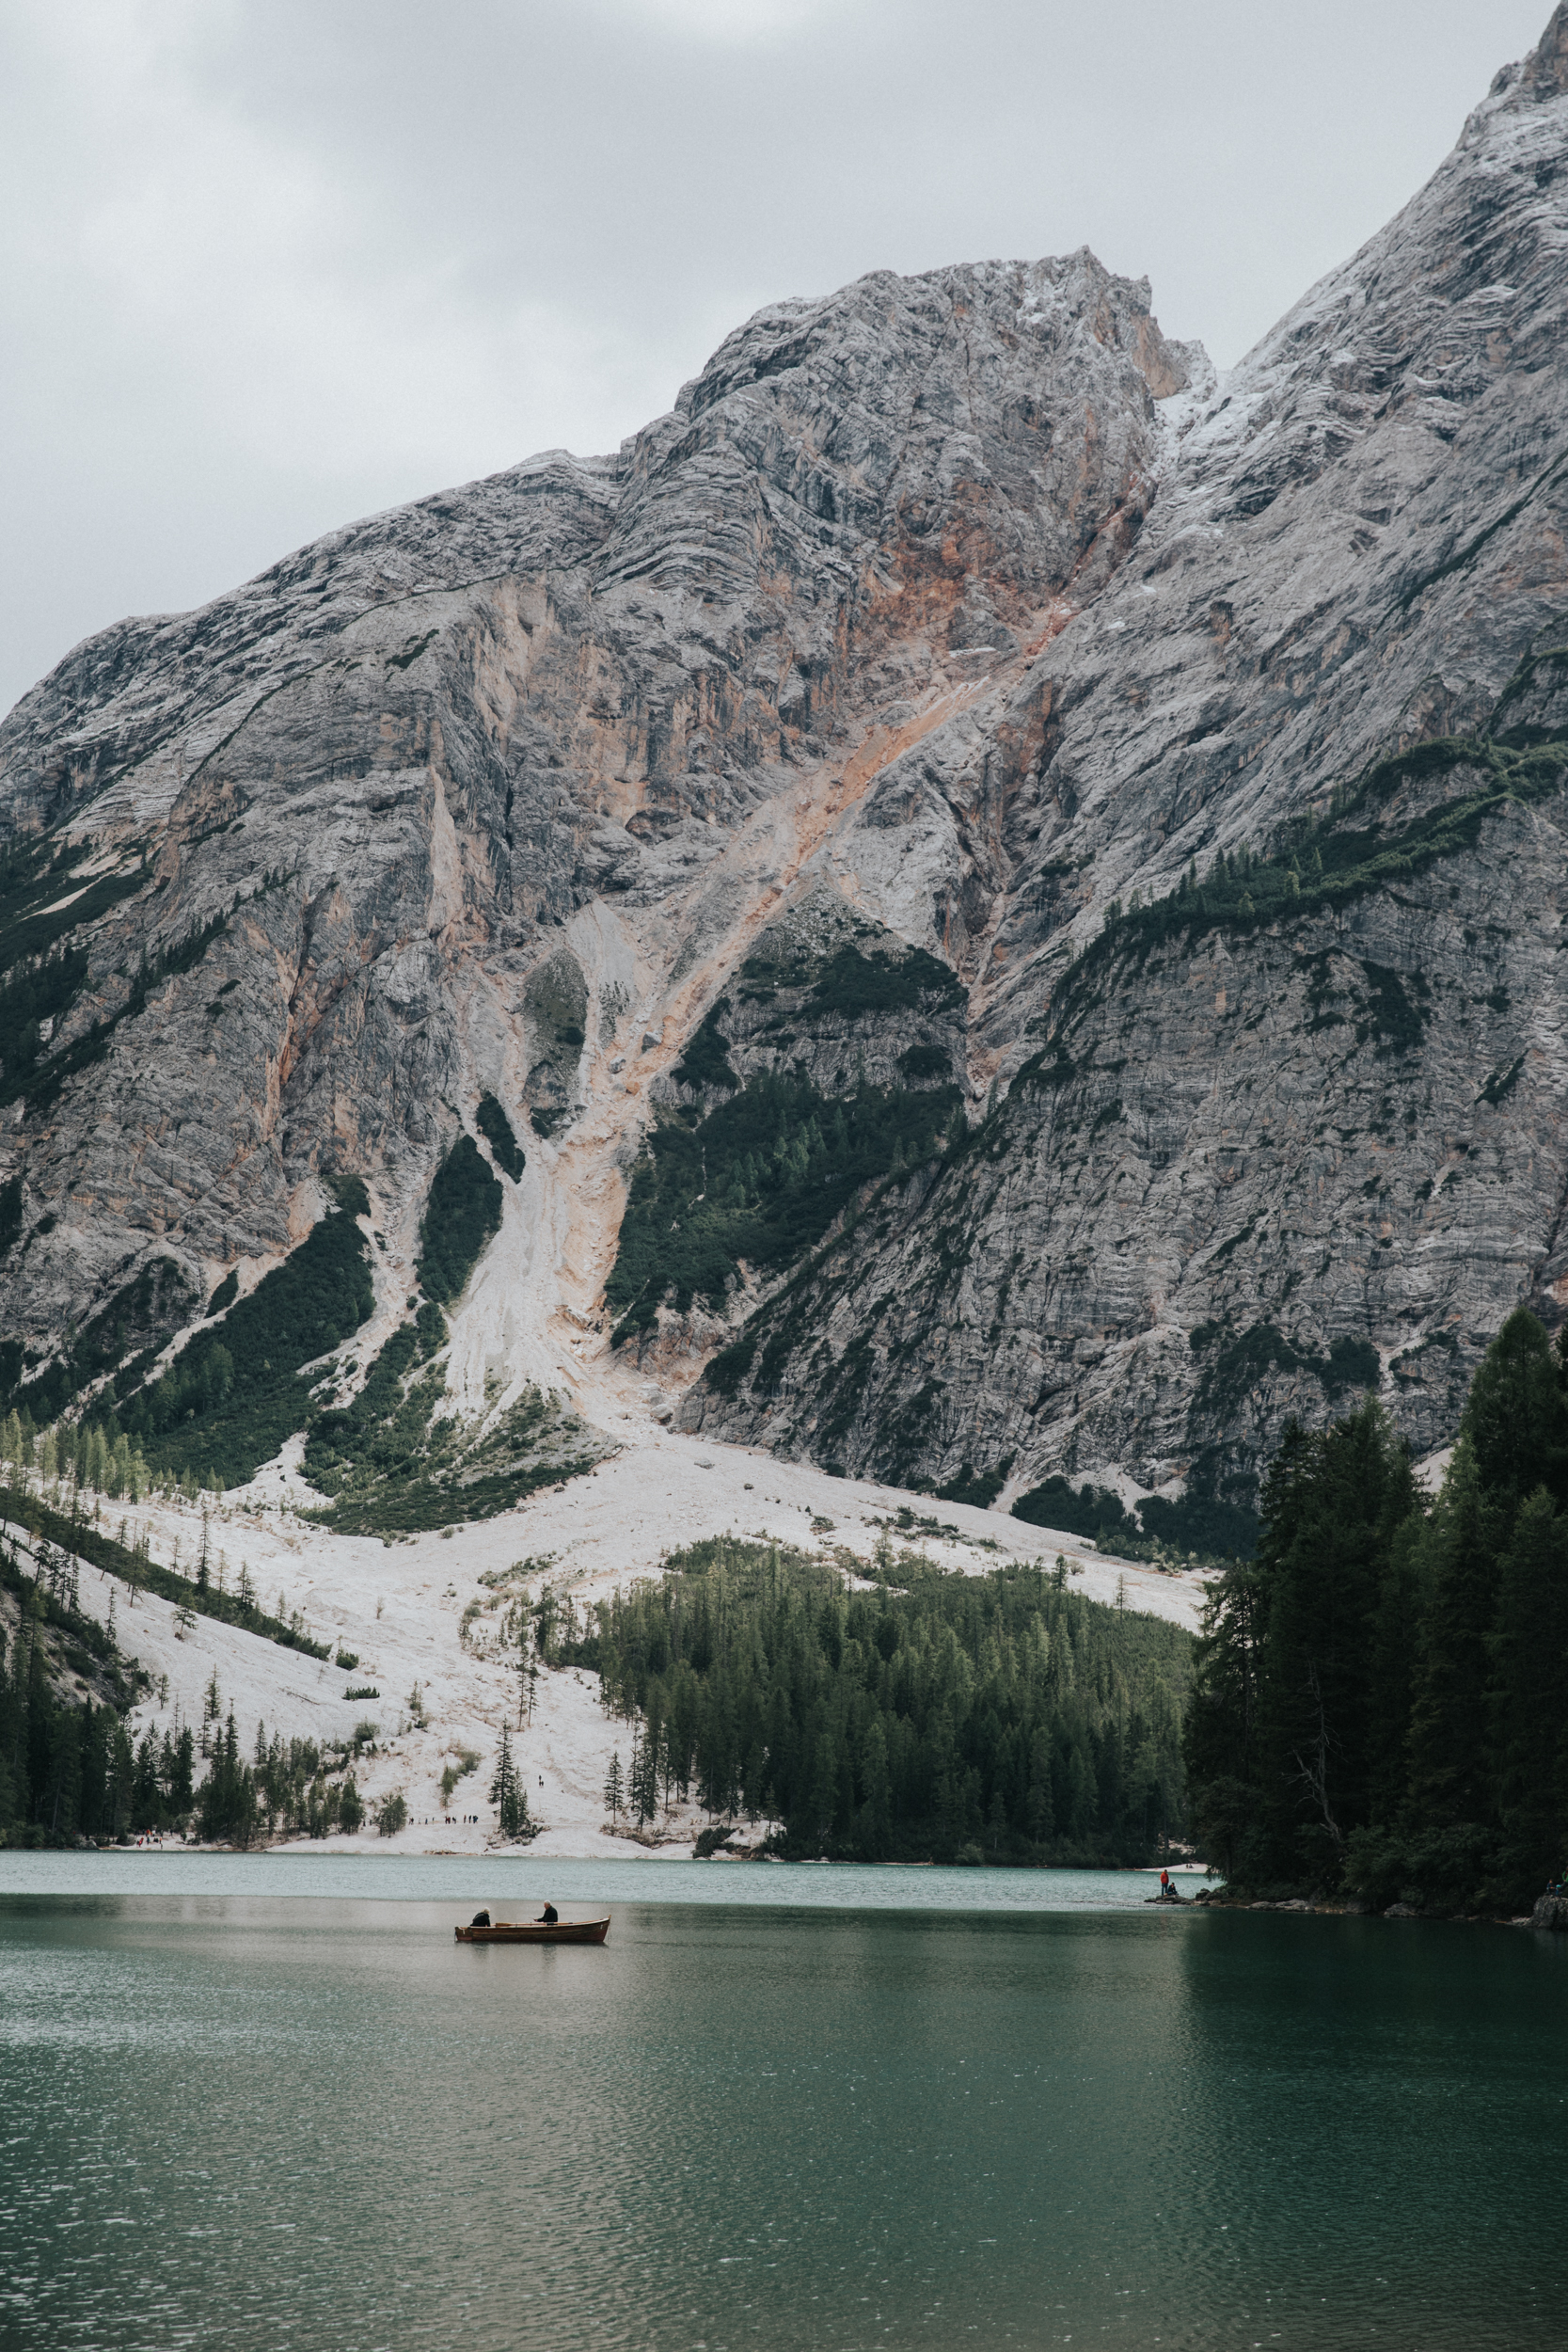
column 1516, row 1421
column 507, row 1794
column 1448, row 1742
column 614, row 1788
column 1324, row 1552
column 875, row 1819
column 643, row 1785
column 1528, row 1654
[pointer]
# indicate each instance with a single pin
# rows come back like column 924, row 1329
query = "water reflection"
column 229, row 2124
column 1380, row 2112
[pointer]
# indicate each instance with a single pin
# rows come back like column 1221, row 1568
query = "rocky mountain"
column 974, row 903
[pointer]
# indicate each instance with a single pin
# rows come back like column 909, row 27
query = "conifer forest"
column 1377, row 1707
column 922, row 1717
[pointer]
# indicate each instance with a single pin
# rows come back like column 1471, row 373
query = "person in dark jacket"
column 548, row 1917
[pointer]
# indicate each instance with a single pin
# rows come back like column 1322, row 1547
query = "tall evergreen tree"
column 1378, row 1697
column 1450, row 1748
column 1516, row 1419
column 1324, row 1557
column 507, row 1794
column 1528, row 1722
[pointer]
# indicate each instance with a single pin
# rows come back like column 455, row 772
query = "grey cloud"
column 268, row 266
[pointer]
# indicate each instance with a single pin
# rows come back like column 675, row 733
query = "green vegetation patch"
column 1197, row 1526
column 1000, row 1717
column 69, row 1769
column 224, row 1294
column 980, row 1491
column 48, row 1076
column 233, row 1394
column 10, row 1212
column 705, row 1063
column 495, row 1126
column 463, row 1212
column 728, row 1369
column 31, row 995
column 855, row 982
column 556, row 997
column 1321, row 866
column 45, row 977
column 32, row 868
column 32, row 884
column 1089, row 1510
column 1236, row 1364
column 1546, row 672
column 123, row 1338
column 1501, row 1082
column 396, row 1460
column 1388, row 1015
column 761, row 1178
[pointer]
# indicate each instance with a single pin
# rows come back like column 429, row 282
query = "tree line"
column 1379, row 1700
column 1000, row 1717
column 290, row 1788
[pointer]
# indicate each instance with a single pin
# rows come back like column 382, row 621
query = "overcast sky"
column 269, row 265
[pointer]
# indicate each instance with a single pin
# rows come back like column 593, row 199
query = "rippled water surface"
column 236, row 2118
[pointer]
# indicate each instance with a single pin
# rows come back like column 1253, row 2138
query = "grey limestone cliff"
column 962, row 617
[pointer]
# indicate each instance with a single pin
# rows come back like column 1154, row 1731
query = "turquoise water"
column 237, row 2118
column 840, row 1886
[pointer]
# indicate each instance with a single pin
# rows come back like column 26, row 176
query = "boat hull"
column 533, row 1932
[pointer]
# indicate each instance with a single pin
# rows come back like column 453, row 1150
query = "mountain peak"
column 1100, row 852
column 1547, row 67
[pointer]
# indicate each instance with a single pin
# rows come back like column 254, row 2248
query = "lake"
column 255, row 2101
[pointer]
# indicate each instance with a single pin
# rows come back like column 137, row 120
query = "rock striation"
column 964, row 617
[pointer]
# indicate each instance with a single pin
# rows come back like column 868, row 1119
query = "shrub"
column 467, row 1762
column 852, row 983
column 392, row 1815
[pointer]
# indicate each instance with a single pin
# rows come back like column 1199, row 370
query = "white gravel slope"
column 398, row 1607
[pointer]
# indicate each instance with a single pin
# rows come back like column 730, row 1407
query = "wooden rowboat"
column 534, row 1931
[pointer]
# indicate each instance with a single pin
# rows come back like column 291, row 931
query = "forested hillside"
column 1000, row 1718
column 1379, row 1694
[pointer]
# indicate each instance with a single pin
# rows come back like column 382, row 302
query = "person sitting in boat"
column 548, row 1917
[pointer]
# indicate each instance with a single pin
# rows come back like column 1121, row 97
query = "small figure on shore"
column 549, row 1915
column 1165, row 1886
